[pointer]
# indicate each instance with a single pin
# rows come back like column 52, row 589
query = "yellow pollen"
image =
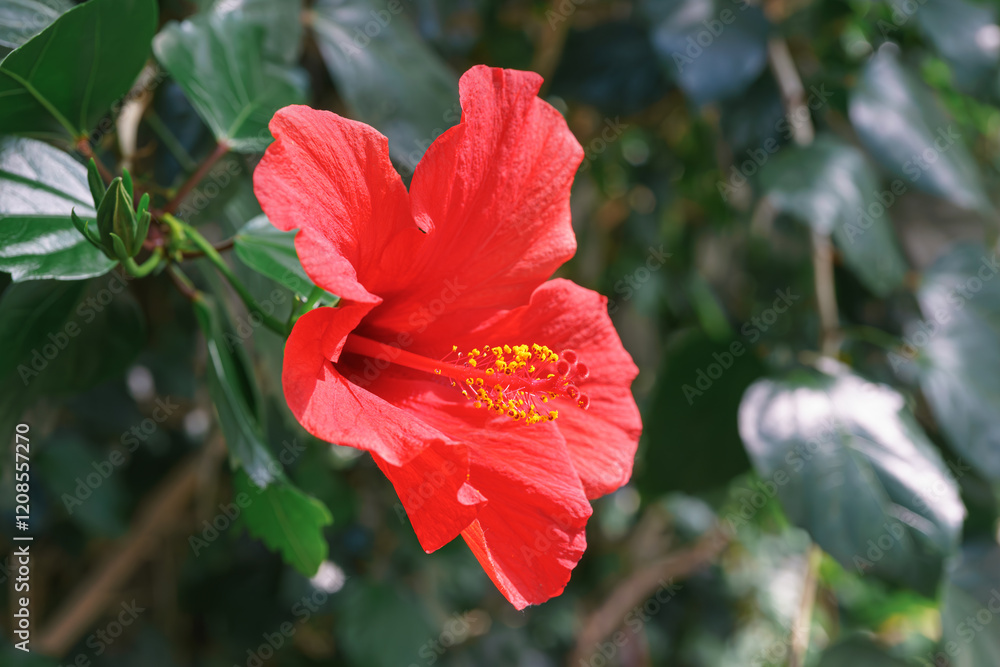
column 527, row 376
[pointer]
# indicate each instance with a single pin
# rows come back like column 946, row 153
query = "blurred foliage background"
column 790, row 205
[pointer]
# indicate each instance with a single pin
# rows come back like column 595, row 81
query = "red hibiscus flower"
column 496, row 402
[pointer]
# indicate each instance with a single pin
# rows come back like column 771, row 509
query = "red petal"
column 434, row 489
column 602, row 440
column 494, row 194
column 532, row 531
column 332, row 408
column 331, row 178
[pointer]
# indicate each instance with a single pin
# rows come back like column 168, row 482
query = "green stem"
column 147, row 267
column 302, row 307
column 212, row 255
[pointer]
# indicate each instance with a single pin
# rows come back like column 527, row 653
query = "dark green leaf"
column 694, row 413
column 287, row 521
column 64, row 337
column 907, row 131
column 970, row 607
column 393, row 81
column 959, row 339
column 850, row 465
column 271, row 252
column 830, row 186
column 70, row 73
column 234, row 392
column 217, row 60
column 713, row 50
column 20, row 20
column 39, row 187
column 371, row 608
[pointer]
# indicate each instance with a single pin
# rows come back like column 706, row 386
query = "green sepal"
column 116, row 215
column 121, row 252
column 143, row 204
column 96, row 183
column 83, row 226
column 142, row 228
column 127, row 180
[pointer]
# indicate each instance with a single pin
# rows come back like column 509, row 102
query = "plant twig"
column 182, row 282
column 83, row 145
column 803, row 621
column 640, row 585
column 803, row 133
column 206, row 165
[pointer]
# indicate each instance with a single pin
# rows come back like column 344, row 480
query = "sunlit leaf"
column 850, row 465
column 39, row 186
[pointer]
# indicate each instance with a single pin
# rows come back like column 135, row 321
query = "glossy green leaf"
column 851, row 466
column 71, row 73
column 20, row 20
column 906, row 130
column 271, row 252
column 970, row 607
column 830, row 186
column 39, row 187
column 233, row 388
column 217, row 60
column 281, row 21
column 959, row 344
column 62, row 337
column 287, row 521
column 392, row 80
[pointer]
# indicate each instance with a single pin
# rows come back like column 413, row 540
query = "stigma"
column 517, row 380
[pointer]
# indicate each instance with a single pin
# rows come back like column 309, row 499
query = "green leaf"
column 280, row 20
column 959, row 343
column 971, row 596
column 858, row 652
column 61, row 337
column 898, row 119
column 372, row 607
column 20, row 20
column 830, row 186
column 692, row 412
column 287, row 521
column 39, row 187
column 271, row 252
column 234, row 391
column 217, row 60
column 851, row 466
column 392, row 81
column 725, row 66
column 71, row 73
